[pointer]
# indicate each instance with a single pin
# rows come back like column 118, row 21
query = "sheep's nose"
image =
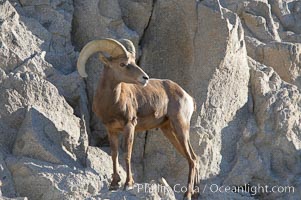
column 145, row 77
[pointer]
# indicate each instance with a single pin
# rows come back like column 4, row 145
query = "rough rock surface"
column 39, row 180
column 21, row 91
column 269, row 154
column 211, row 77
column 239, row 59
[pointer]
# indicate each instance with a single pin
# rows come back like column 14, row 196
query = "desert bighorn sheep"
column 127, row 101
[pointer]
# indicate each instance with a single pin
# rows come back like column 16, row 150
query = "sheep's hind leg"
column 196, row 178
column 181, row 130
column 169, row 133
column 113, row 138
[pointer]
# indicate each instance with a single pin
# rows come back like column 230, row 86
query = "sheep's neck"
column 109, row 87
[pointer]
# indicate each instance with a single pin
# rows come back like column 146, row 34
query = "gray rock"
column 6, row 182
column 35, row 140
column 153, row 190
column 212, row 194
column 17, row 198
column 270, row 157
column 14, row 39
column 284, row 58
column 100, row 161
column 34, row 3
column 51, row 22
column 209, row 64
column 99, row 19
column 24, row 90
column 288, row 12
column 136, row 14
column 257, row 18
column 39, row 180
column 50, row 26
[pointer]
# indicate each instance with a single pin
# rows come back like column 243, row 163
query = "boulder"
column 288, row 12
column 100, row 160
column 51, row 22
column 270, row 146
column 6, row 182
column 39, row 138
column 33, row 27
column 23, row 90
column 136, row 14
column 99, row 19
column 257, row 18
column 283, row 57
column 41, row 180
column 35, row 37
column 209, row 64
column 17, row 43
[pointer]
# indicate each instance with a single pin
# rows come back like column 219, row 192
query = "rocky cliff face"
column 240, row 60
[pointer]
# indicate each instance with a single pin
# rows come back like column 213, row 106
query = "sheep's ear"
column 128, row 44
column 104, row 59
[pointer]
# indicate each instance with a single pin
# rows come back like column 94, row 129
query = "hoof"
column 128, row 187
column 114, row 187
column 115, row 182
column 195, row 196
column 186, row 198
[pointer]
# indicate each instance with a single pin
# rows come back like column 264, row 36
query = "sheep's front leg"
column 129, row 131
column 113, row 138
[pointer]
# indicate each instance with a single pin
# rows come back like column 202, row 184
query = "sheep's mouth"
column 142, row 82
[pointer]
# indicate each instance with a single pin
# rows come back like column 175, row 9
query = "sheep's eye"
column 122, row 65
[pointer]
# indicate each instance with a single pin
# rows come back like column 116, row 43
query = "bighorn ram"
column 127, row 101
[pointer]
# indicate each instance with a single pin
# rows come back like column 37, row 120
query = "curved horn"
column 129, row 46
column 109, row 46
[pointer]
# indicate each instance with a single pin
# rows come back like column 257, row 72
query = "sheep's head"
column 118, row 56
